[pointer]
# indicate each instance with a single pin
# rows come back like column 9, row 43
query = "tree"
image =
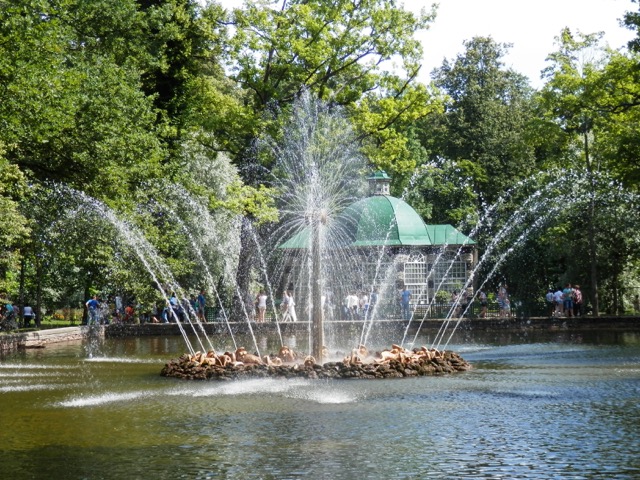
column 341, row 52
column 69, row 115
column 14, row 228
column 102, row 97
column 590, row 99
column 482, row 134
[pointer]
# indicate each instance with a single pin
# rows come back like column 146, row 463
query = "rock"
column 395, row 363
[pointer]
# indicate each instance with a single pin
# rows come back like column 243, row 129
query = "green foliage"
column 338, row 51
column 72, row 114
column 441, row 193
column 154, row 107
column 482, row 132
column 14, row 229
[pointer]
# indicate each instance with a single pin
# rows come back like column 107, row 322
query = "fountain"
column 319, row 180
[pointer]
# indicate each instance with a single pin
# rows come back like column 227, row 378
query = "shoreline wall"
column 503, row 324
column 39, row 339
column 42, row 338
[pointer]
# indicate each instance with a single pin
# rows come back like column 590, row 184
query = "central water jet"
column 317, row 221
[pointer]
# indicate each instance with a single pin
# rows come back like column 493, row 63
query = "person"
column 173, row 300
column 129, row 313
column 352, row 306
column 567, row 300
column 557, row 299
column 636, row 304
column 455, row 306
column 405, row 298
column 119, row 306
column 166, row 313
column 92, row 309
column 483, row 303
column 193, row 303
column 464, row 302
column 9, row 311
column 202, row 302
column 507, row 306
column 27, row 313
column 261, row 304
column 284, row 307
column 577, row 301
column 363, row 305
column 550, row 303
column 103, row 312
column 504, row 304
column 8, row 316
column 291, row 307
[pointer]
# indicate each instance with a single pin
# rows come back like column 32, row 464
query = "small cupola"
column 379, row 183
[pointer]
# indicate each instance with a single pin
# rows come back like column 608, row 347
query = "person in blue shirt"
column 202, row 302
column 92, row 308
column 405, row 297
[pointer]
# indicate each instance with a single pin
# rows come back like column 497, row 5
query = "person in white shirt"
column 557, row 299
column 291, row 307
column 28, row 315
column 261, row 303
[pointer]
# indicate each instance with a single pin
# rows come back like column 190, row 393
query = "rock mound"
column 394, row 363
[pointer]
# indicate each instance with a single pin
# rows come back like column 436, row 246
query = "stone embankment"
column 42, row 338
column 394, row 363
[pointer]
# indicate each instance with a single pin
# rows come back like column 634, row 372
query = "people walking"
column 351, row 303
column 558, row 301
column 483, row 303
column 291, row 307
column 550, row 304
column 202, row 303
column 504, row 303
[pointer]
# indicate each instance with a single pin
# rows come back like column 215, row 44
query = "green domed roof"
column 383, row 220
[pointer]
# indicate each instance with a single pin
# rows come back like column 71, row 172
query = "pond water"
column 535, row 405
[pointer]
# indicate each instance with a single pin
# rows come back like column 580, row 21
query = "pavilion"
column 381, row 240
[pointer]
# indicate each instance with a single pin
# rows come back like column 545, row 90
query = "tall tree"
column 482, row 134
column 67, row 114
column 590, row 99
column 342, row 52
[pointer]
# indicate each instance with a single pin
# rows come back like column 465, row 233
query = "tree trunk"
column 38, row 292
column 616, row 298
column 21, row 292
column 592, row 231
column 243, row 274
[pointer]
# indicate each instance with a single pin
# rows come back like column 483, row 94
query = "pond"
column 535, row 405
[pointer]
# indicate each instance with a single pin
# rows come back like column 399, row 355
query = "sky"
column 530, row 25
